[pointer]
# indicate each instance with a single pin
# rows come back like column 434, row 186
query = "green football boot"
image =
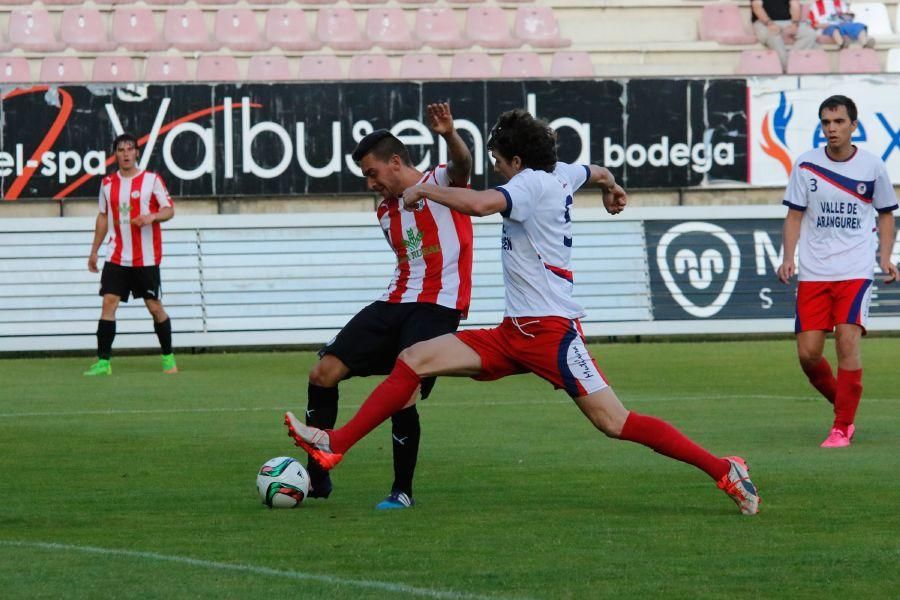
column 168, row 364
column 101, row 367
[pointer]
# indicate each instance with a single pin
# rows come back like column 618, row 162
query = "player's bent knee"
column 328, row 372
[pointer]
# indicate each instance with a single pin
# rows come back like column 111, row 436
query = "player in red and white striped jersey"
column 427, row 296
column 133, row 203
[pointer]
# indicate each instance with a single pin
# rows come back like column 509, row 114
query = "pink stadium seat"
column 421, row 66
column 14, row 69
column 468, row 65
column 387, row 28
column 167, row 68
column 725, row 23
column 572, row 64
column 759, row 62
column 84, row 29
column 217, row 68
column 113, row 68
column 437, row 27
column 236, row 28
column 487, row 26
column 134, row 28
column 337, row 27
column 31, row 29
column 61, row 69
column 325, row 67
column 536, row 26
column 185, row 29
column 858, row 60
column 521, row 64
column 370, row 66
column 808, row 62
column 286, row 28
column 265, row 67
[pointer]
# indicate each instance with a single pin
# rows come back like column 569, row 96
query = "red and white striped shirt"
column 123, row 199
column 433, row 247
column 822, row 11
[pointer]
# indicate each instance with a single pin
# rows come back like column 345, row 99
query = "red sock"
column 390, row 396
column 846, row 401
column 822, row 378
column 661, row 437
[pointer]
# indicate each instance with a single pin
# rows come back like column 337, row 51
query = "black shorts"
column 140, row 282
column 370, row 343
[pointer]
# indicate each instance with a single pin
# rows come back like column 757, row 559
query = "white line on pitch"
column 396, row 588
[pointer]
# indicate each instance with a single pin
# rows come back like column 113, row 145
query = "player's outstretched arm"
column 165, row 213
column 614, row 196
column 101, row 226
column 886, row 236
column 790, row 237
column 440, row 119
column 469, row 202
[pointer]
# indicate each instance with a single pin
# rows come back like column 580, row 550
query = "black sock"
column 405, row 437
column 106, row 333
column 321, row 412
column 164, row 333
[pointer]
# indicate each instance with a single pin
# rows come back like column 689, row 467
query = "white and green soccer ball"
column 282, row 483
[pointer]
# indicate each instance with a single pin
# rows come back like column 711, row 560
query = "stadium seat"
column 286, row 28
column 164, row 1
column 571, row 64
column 536, row 26
column 268, row 67
column 324, row 67
column 469, row 65
column 366, row 1
column 52, row 2
column 487, row 26
column 14, row 69
column 421, row 66
column 113, row 68
column 236, row 29
column 167, row 68
column 134, row 28
column 84, row 29
column 61, row 69
column 270, row 2
column 217, row 68
column 437, row 27
column 31, row 30
column 215, row 1
column 370, row 66
column 808, row 62
column 466, row 1
column 874, row 15
column 725, row 23
column 759, row 62
column 387, row 28
column 337, row 28
column 858, row 60
column 521, row 64
column 416, row 1
column 185, row 29
column 893, row 61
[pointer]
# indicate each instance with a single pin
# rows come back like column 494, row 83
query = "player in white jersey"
column 837, row 198
column 540, row 332
column 132, row 205
column 426, row 297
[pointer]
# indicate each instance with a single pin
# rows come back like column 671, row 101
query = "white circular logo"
column 860, row 188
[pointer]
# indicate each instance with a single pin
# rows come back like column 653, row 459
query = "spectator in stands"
column 133, row 203
column 832, row 18
column 778, row 22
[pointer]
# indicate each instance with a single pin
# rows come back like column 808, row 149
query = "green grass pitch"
column 141, row 485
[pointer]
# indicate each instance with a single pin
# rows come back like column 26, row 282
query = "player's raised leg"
column 607, row 414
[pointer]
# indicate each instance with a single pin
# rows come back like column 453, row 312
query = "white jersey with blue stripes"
column 537, row 242
column 839, row 200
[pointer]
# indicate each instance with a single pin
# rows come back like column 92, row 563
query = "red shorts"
column 823, row 304
column 550, row 347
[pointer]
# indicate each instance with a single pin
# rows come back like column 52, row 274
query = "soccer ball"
column 282, row 482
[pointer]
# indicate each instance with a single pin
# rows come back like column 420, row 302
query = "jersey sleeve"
column 795, row 195
column 161, row 193
column 441, row 176
column 521, row 196
column 101, row 200
column 575, row 175
column 884, row 199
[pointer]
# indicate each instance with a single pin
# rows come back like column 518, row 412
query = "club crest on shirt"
column 135, row 195
column 860, row 188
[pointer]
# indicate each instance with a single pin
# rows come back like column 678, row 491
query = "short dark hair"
column 383, row 145
column 518, row 133
column 124, row 137
column 832, row 102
